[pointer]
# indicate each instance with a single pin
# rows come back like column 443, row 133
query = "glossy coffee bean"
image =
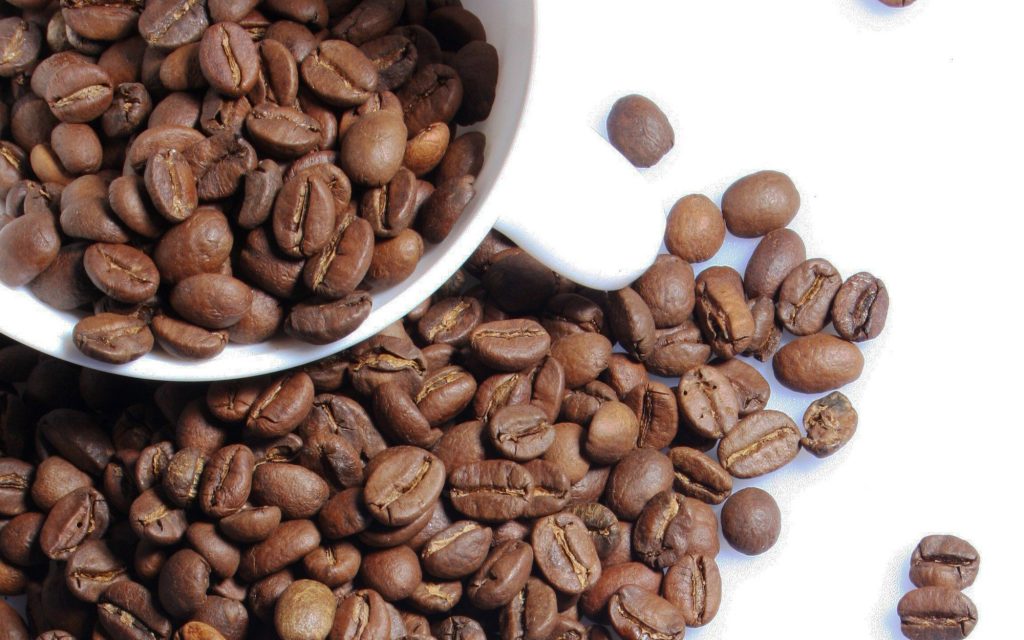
column 751, row 521
column 121, row 272
column 829, row 422
column 564, row 553
column 490, row 490
column 708, row 402
column 695, row 230
column 805, row 297
column 721, row 311
column 520, row 432
column 305, row 611
column 759, row 203
column 860, row 307
column 759, row 443
column 936, row 613
column 640, row 130
column 694, row 585
column 818, row 363
column 594, row 602
column 636, row 614
column 226, row 481
column 636, row 478
column 944, row 561
column 503, row 575
column 672, row 526
column 776, row 255
column 401, row 484
column 129, row 610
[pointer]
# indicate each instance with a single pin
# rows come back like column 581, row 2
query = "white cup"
column 549, row 182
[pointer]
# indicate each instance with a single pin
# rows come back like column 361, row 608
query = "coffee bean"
column 751, row 521
column 677, row 350
column 612, row 433
column 281, row 407
column 943, row 561
column 153, row 519
column 113, row 338
column 434, row 94
column 81, row 515
column 91, row 569
column 722, row 313
column 29, row 244
column 776, row 255
column 226, row 481
column 80, row 93
column 860, row 307
column 936, row 613
column 708, row 401
column 195, row 630
column 442, row 210
column 636, row 613
column 339, row 74
column 304, row 216
column 171, row 185
column 759, row 203
column 16, row 478
column 394, row 573
column 640, row 130
column 228, row 59
column 672, row 526
column 12, row 624
column 632, row 322
column 167, row 24
column 520, row 432
column 383, row 133
column 288, row 543
column 328, row 322
column 401, row 484
column 457, row 551
column 305, row 611
column 700, row 477
column 565, row 554
column 601, row 524
column 490, row 490
column 532, row 614
column 200, row 244
column 817, row 363
column 129, row 110
column 503, row 575
column 185, row 340
column 251, row 525
column 830, row 423
column 759, row 443
column 594, row 603
column 694, row 585
column 184, row 580
column 464, row 156
column 510, row 345
column 121, row 272
column 361, row 613
column 635, row 479
column 805, row 296
column 127, row 610
column 695, row 229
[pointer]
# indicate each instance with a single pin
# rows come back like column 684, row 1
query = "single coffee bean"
column 183, row 475
column 520, row 432
column 752, row 390
column 943, row 561
column 29, row 244
column 817, row 363
column 594, row 603
column 185, row 340
column 672, row 526
column 15, row 480
column 155, row 520
column 632, row 322
column 442, row 210
column 830, row 423
column 444, row 394
column 304, row 216
column 288, row 543
column 751, row 521
column 323, row 323
column 565, row 451
column 612, row 433
column 565, row 554
column 305, row 611
column 226, row 481
column 219, row 164
column 709, row 404
column 281, row 407
column 636, row 614
column 759, row 203
column 113, row 338
column 401, row 484
column 211, row 300
column 694, row 585
column 171, row 185
column 200, row 244
column 700, row 477
column 425, row 150
column 776, row 255
column 583, row 357
column 491, row 490
column 340, row 74
column 297, row 491
column 128, row 610
column 19, row 540
column 531, row 615
column 503, row 575
column 121, row 272
column 394, row 573
column 251, row 525
column 510, row 345
column 12, row 623
column 805, row 297
column 228, row 58
column 550, row 493
column 640, row 130
column 936, row 613
column 860, row 308
column 635, row 479
column 434, row 94
column 195, row 630
column 457, row 551
column 81, row 515
column 333, row 564
column 93, row 568
column 465, row 156
column 678, row 349
column 361, row 613
column 55, row 477
column 80, row 93
column 722, row 313
column 184, row 581
column 695, row 229
column 759, row 443
column 602, row 525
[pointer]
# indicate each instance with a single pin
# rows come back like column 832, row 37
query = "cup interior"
column 510, row 28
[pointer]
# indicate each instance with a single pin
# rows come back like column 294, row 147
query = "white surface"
column 903, row 131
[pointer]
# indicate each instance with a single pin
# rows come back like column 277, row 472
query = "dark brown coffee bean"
column 632, row 322
column 477, row 64
column 261, row 187
column 80, row 93
column 65, row 285
column 612, row 433
column 16, row 476
column 130, row 203
column 635, row 479
column 425, row 150
column 304, row 216
column 722, row 313
column 171, row 185
column 550, row 493
column 805, row 297
column 226, row 481
column 393, row 573
column 281, row 407
column 677, row 349
column 283, row 132
column 81, row 515
column 185, row 340
column 401, row 484
column 490, row 490
column 668, row 289
column 122, row 272
column 776, row 255
column 333, row 457
column 340, row 266
column 297, row 491
column 510, row 345
column 583, row 357
column 520, row 432
column 333, row 564
column 382, row 132
column 759, row 203
column 640, row 130
column 391, row 209
column 329, row 321
column 361, row 614
column 457, row 551
column 28, row 245
column 636, row 613
column 752, row 390
column 751, row 521
column 695, row 230
column 570, row 313
column 461, row 444
column 184, row 581
column 672, row 526
column 78, row 147
column 367, row 20
column 818, row 363
column 759, row 443
column 211, row 300
column 698, row 476
column 184, row 472
column 943, row 561
column 565, row 554
column 694, row 585
column 502, row 575
column 21, row 41
column 168, row 24
column 434, row 94
column 12, row 623
column 91, row 569
column 657, row 413
column 154, row 520
column 304, row 611
column 936, row 613
column 75, row 435
column 127, row 610
column 708, row 401
column 860, row 308
column 444, row 394
column 287, row 544
column 200, row 244
column 219, row 163
column 251, row 525
column 55, row 477
column 830, row 423
column 531, row 615
column 517, row 283
column 339, row 74
column 228, row 59
column 129, row 110
column 113, row 338
column 85, row 211
column 263, row 265
column 465, row 156
column 444, row 207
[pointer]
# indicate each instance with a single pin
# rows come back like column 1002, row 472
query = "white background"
column 903, row 131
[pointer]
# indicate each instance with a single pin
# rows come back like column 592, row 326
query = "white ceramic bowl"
column 549, row 182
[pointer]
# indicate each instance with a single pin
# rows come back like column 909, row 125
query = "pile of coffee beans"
column 492, row 466
column 941, row 567
column 193, row 173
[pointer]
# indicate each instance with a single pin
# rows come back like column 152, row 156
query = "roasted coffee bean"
column 860, row 307
column 520, row 432
column 759, row 443
column 751, row 521
column 509, row 345
column 128, row 610
column 228, row 58
column 444, row 394
column 211, row 300
column 297, row 491
column 531, row 615
column 451, row 320
column 457, row 551
column 15, row 480
column 668, row 289
column 28, row 245
column 333, row 457
column 184, row 581
column 752, row 390
column 401, row 484
column 677, row 350
column 636, row 478
column 818, row 363
column 672, row 526
column 694, row 585
column 200, row 244
column 477, row 64
column 442, row 210
column 323, row 323
column 805, row 297
column 360, row 614
column 121, row 272
column 75, row 435
column 943, row 561
column 722, row 313
column 708, row 401
column 55, row 477
column 612, row 433
column 570, row 313
column 425, row 150
column 10, row 621
column 81, row 515
column 490, row 490
column 777, row 254
column 288, row 543
column 700, row 477
column 304, row 216
column 759, row 203
column 195, row 630
column 393, row 573
column 695, row 230
column 226, row 481
column 79, row 93
column 936, row 613
column 400, row 418
column 153, row 519
column 339, row 74
column 550, row 492
column 632, row 322
column 168, row 24
column 594, row 602
column 565, row 554
column 636, row 613
column 281, row 407
column 583, row 357
column 830, row 423
column 333, row 564
column 640, row 130
column 503, row 575
column 465, row 156
column 434, row 94
column 657, row 412
column 93, row 568
column 305, row 611
column 185, row 340
column 251, row 525
column 461, row 444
